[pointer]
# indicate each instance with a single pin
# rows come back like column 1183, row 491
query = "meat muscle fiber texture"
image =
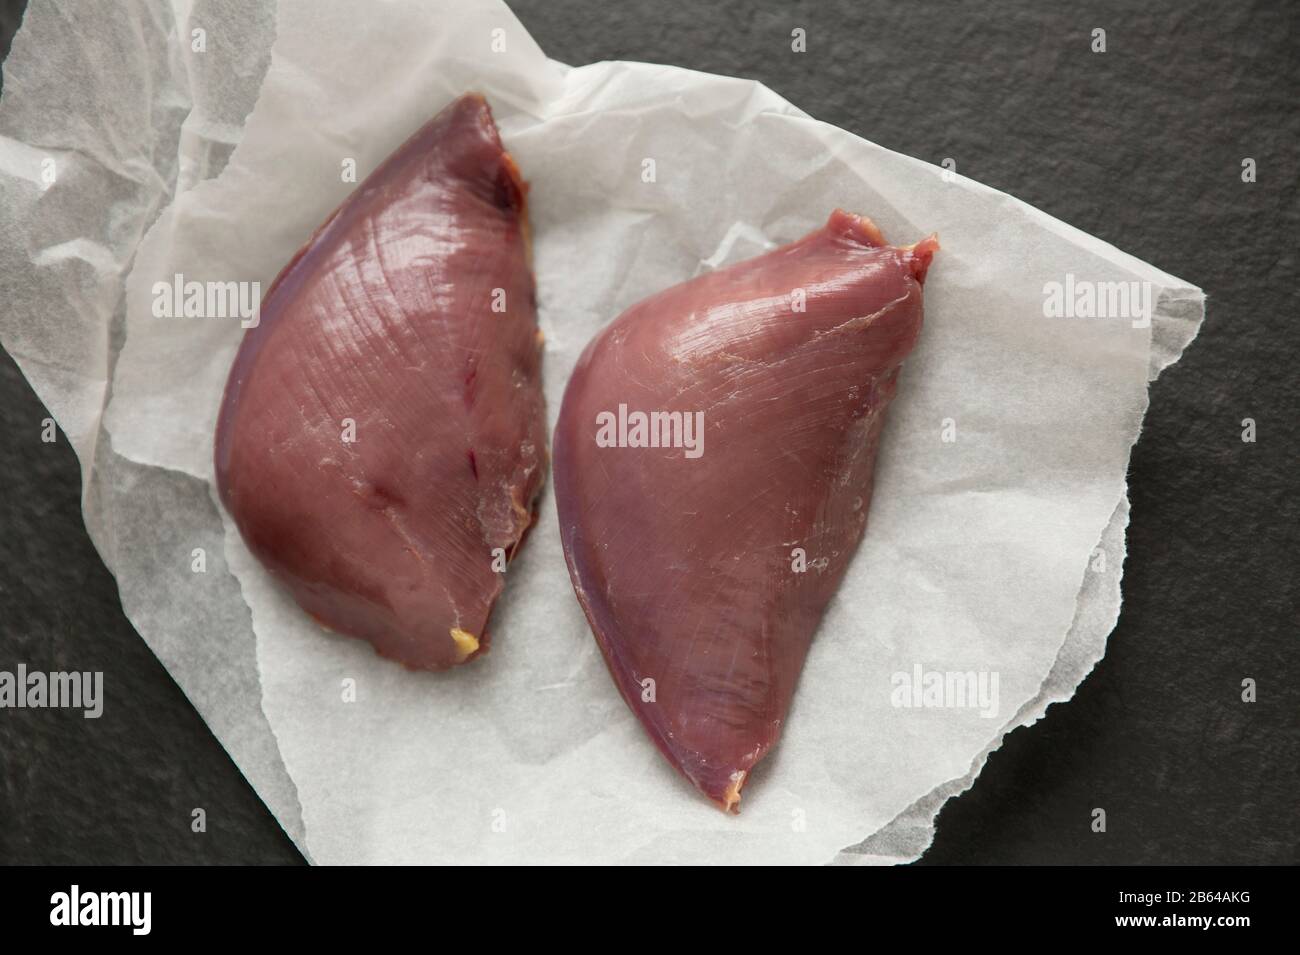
column 771, row 379
column 382, row 440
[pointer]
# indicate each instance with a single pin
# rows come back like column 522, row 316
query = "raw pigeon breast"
column 382, row 437
column 713, row 471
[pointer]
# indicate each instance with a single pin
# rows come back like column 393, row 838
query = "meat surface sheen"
column 686, row 553
column 382, row 438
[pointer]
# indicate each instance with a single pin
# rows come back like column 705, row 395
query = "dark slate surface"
column 1141, row 145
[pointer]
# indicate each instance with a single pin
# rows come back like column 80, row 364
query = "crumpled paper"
column 995, row 543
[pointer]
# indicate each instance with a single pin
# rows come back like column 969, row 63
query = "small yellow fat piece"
column 732, row 794
column 466, row 642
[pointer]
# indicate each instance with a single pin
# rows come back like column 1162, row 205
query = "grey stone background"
column 1141, row 145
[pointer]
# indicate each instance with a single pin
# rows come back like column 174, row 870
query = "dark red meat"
column 686, row 559
column 411, row 314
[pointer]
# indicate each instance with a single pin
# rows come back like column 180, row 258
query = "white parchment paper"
column 995, row 543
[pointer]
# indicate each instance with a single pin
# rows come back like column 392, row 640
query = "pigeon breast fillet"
column 704, row 558
column 382, row 438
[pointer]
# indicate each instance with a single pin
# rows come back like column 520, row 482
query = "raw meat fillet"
column 684, row 542
column 382, row 438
